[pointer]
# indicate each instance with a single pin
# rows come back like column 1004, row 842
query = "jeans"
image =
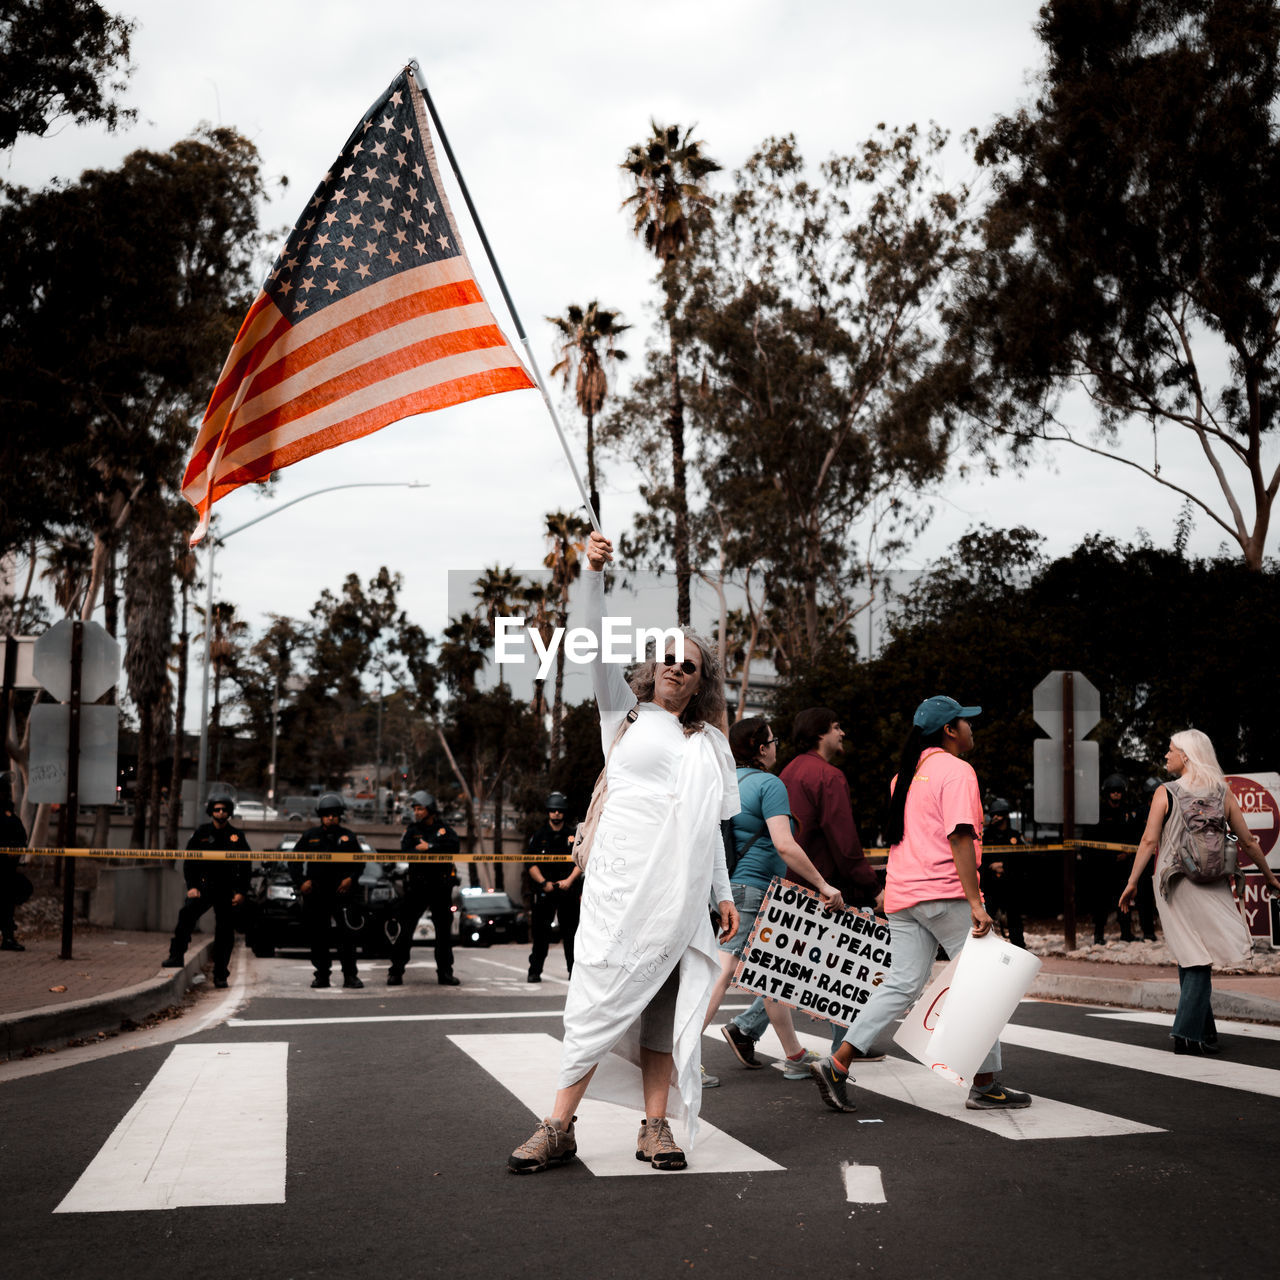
column 916, row 933
column 1194, row 1018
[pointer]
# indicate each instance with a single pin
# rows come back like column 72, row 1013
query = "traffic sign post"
column 77, row 662
column 1067, row 705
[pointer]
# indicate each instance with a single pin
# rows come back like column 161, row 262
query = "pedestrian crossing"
column 167, row 1154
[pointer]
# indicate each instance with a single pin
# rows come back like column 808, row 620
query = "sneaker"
column 395, row 980
column 708, row 1080
column 320, row 980
column 995, row 1097
column 551, row 1143
column 743, row 1046
column 351, row 981
column 656, row 1145
column 798, row 1068
column 832, row 1084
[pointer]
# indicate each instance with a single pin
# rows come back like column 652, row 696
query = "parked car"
column 255, row 811
column 486, row 916
column 274, row 918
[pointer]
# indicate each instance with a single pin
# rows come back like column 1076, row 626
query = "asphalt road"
column 378, row 1148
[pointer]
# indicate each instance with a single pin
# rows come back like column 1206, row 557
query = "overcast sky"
column 541, row 102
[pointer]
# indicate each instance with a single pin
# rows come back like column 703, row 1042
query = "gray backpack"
column 1203, row 850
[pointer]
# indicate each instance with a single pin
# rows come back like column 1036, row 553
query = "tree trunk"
column 159, row 740
column 591, row 467
column 142, row 780
column 557, row 706
column 111, row 619
column 679, row 495
column 180, row 715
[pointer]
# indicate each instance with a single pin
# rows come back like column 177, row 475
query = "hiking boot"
column 351, row 981
column 657, row 1145
column 995, row 1097
column 798, row 1068
column 832, row 1084
column 395, row 980
column 552, row 1143
column 743, row 1046
column 320, row 980
column 708, row 1080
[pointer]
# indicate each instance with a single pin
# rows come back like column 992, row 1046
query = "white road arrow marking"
column 209, row 1129
column 529, row 1065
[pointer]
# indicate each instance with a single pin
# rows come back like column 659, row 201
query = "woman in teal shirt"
column 766, row 848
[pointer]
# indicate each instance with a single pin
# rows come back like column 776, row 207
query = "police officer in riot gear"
column 1002, row 875
column 329, row 889
column 1107, row 871
column 428, row 887
column 214, row 883
column 557, row 886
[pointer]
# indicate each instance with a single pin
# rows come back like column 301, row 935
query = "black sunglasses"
column 688, row 666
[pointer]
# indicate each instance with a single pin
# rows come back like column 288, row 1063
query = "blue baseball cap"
column 933, row 713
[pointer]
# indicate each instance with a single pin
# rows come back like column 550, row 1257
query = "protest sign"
column 824, row 963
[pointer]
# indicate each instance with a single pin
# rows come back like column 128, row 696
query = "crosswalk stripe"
column 1163, row 1062
column 1249, row 1030
column 916, row 1085
column 528, row 1065
column 209, row 1129
column 863, row 1184
column 397, row 1017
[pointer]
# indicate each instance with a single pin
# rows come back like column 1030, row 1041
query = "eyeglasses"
column 220, row 808
column 688, row 666
column 769, row 742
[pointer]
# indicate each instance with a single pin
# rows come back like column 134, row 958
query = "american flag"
column 370, row 314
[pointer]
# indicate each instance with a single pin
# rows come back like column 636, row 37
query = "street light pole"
column 215, row 541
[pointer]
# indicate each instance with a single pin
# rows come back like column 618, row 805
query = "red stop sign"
column 1260, row 807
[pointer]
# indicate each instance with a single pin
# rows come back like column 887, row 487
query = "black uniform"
column 552, row 855
column 218, row 882
column 15, row 888
column 1106, row 873
column 428, row 887
column 1003, row 891
column 324, row 906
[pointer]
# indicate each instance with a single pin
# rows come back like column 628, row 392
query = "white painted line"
column 916, row 1085
column 396, row 1017
column 1250, row 1030
column 515, row 968
column 529, row 1066
column 863, row 1185
column 209, row 1129
column 1163, row 1062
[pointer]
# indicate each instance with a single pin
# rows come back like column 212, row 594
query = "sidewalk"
column 114, row 976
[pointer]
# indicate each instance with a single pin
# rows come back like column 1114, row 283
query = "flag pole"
column 420, row 79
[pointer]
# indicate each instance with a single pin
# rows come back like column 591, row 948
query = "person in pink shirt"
column 931, row 893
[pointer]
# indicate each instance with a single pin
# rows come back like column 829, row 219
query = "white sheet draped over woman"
column 656, row 864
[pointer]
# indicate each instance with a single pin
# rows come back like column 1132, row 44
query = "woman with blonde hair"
column 1201, row 922
column 646, row 953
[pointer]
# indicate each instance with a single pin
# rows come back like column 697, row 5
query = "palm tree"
column 670, row 200
column 567, row 535
column 496, row 591
column 586, row 343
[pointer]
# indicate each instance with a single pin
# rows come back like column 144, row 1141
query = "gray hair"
column 1203, row 772
column 707, row 706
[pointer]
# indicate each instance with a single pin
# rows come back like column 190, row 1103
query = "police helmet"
column 220, row 797
column 422, row 800
column 331, row 803
column 1115, row 782
column 557, row 800
column 999, row 806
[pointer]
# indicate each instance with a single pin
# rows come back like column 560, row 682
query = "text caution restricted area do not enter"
column 823, row 962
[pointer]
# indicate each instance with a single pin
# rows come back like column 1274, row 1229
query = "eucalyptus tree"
column 1130, row 282
column 587, row 347
column 671, row 205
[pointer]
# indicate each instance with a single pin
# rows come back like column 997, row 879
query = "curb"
column 1162, row 996
column 37, row 1028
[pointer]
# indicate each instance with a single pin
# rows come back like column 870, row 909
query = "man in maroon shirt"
column 819, row 796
